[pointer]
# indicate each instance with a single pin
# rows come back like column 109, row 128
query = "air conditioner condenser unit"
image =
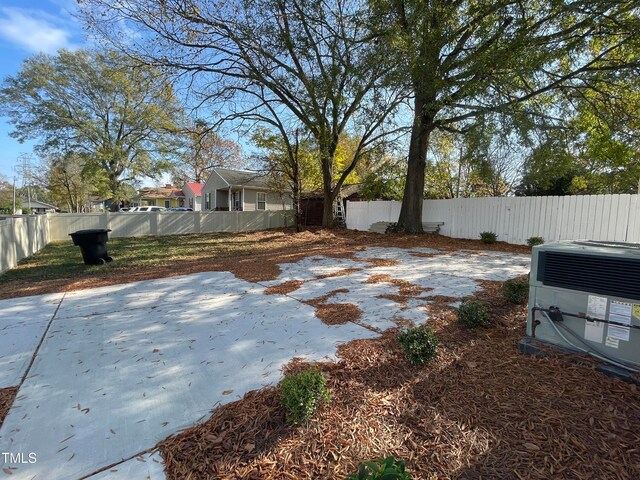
column 585, row 296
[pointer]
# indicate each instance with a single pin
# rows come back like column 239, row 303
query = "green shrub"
column 387, row 469
column 533, row 241
column 419, row 344
column 302, row 393
column 515, row 291
column 488, row 237
column 472, row 313
column 391, row 228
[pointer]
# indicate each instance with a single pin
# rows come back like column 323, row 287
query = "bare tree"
column 312, row 60
column 205, row 149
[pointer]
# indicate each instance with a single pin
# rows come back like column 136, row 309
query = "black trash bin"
column 93, row 245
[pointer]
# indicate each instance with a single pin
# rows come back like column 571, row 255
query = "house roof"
column 37, row 204
column 243, row 178
column 196, row 188
column 160, row 192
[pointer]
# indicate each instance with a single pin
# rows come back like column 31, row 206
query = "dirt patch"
column 284, row 288
column 252, row 256
column 480, row 410
column 338, row 313
column 7, row 396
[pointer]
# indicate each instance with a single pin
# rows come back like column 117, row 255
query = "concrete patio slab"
column 144, row 467
column 22, row 324
column 123, row 376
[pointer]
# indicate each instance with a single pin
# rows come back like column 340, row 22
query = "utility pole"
column 14, row 194
column 26, row 175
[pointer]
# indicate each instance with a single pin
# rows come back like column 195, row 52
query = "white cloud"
column 33, row 30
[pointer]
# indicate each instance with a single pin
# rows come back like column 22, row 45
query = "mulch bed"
column 7, row 395
column 338, row 313
column 480, row 410
column 284, row 288
column 272, row 247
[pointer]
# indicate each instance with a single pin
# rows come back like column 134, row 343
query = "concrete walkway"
column 119, row 368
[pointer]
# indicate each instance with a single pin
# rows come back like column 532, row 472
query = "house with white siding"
column 193, row 196
column 241, row 190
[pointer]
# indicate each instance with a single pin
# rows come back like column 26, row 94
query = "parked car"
column 147, row 209
column 181, row 209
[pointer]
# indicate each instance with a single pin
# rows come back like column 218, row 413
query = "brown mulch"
column 338, row 313
column 261, row 263
column 480, row 410
column 334, row 313
column 7, row 396
column 284, row 288
column 380, row 262
column 405, row 289
column 340, row 273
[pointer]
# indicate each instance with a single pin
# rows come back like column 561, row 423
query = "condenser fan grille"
column 605, row 275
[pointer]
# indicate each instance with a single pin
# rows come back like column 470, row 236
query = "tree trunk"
column 328, row 220
column 410, row 220
column 296, row 185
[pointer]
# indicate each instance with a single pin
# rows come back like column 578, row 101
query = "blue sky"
column 26, row 28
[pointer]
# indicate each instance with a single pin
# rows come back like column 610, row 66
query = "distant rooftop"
column 243, row 178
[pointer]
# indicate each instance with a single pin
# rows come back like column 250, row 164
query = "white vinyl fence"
column 21, row 237
column 25, row 235
column 515, row 219
column 124, row 224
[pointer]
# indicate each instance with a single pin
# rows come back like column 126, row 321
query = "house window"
column 167, row 203
column 262, row 201
column 207, row 201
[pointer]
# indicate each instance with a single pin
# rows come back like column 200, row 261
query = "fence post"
column 153, row 223
column 197, row 219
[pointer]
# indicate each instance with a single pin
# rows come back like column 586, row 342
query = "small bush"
column 419, row 344
column 515, row 291
column 488, row 237
column 387, row 469
column 302, row 393
column 392, row 228
column 472, row 313
column 533, row 241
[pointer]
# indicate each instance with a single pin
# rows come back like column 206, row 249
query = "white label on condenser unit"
column 593, row 331
column 612, row 342
column 596, row 308
column 620, row 312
